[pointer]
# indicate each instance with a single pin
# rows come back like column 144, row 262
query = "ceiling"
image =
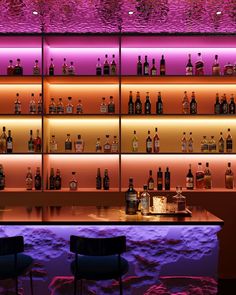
column 153, row 16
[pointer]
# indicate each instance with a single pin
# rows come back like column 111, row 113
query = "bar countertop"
column 91, row 215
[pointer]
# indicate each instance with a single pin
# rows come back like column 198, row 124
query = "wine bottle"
column 150, row 182
column 159, row 179
column 189, row 179
column 147, row 105
column 167, row 179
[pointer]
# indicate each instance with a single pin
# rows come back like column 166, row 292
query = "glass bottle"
column 79, row 145
column 212, row 145
column 103, row 106
column 79, row 107
column 207, row 177
column 18, row 69
column 162, row 66
column 139, row 66
column 150, row 181
column 32, row 105
column 52, row 106
column 71, row 69
column 193, row 104
column 159, row 104
column 153, row 71
column 2, row 178
column 106, row 67
column 115, row 145
column 216, row 67
column 107, row 145
column 29, row 179
column 185, row 104
column 69, row 106
column 37, row 142
column 217, row 106
column 199, row 177
column 189, row 67
column 98, row 179
column 147, row 105
column 146, row 67
column 228, row 69
column 159, row 179
column 184, row 143
column 106, row 180
column 131, row 199
column 221, row 143
column 190, row 143
column 229, row 142
column 40, row 104
column 64, row 67
column 204, row 145
column 111, row 106
column 189, row 179
column 231, row 107
column 224, row 105
column 53, row 144
column 3, row 141
column 138, row 104
column 52, row 179
column 130, row 104
column 10, row 68
column 37, row 179
column 58, row 179
column 135, row 143
column 179, row 201
column 17, row 105
column 113, row 66
column 51, row 68
column 98, row 147
column 68, row 144
column 73, row 184
column 199, row 66
column 149, row 143
column 60, row 106
column 156, row 142
column 9, row 143
column 36, row 69
column 145, row 201
column 99, row 68
column 229, row 177
column 31, row 143
column 167, row 179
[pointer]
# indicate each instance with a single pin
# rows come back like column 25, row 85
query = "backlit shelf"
column 184, row 190
column 175, row 153
column 22, row 115
column 21, row 153
column 83, row 190
column 83, row 79
column 82, row 153
column 81, row 115
column 30, row 79
column 77, row 116
column 15, row 190
column 166, row 116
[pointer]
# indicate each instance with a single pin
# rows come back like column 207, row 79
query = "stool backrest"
column 11, row 245
column 97, row 246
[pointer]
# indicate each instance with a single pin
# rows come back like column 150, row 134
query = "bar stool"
column 13, row 264
column 98, row 259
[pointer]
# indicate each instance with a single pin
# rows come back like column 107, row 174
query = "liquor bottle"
column 139, row 66
column 58, row 179
column 185, row 104
column 37, row 143
column 106, row 180
column 53, row 144
column 98, row 179
column 99, row 68
column 229, row 177
column 221, row 143
column 37, row 179
column 68, row 144
column 199, row 66
column 79, row 145
column 190, row 143
column 193, row 104
column 29, row 179
column 167, row 179
column 217, row 106
column 159, row 179
column 10, row 68
column 9, row 142
column 40, row 104
column 150, row 182
column 135, row 143
column 73, row 184
column 189, row 179
column 146, row 67
column 162, row 66
column 224, row 105
column 189, row 67
column 32, row 105
column 147, row 105
column 115, row 145
column 153, row 71
column 60, row 106
column 184, row 143
column 69, row 106
column 130, row 104
column 216, row 67
column 229, row 142
column 107, row 145
column 51, row 179
column 18, row 69
column 212, row 145
column 131, row 199
column 234, row 69
column 149, row 143
column 71, row 69
column 79, row 107
column 207, row 177
column 106, row 67
column 64, row 67
column 138, row 104
column 2, row 178
column 159, row 104
column 111, row 106
column 179, row 201
column 3, row 141
column 31, row 143
column 199, row 177
column 145, row 201
column 231, row 107
column 113, row 66
column 98, row 146
column 51, row 68
column 204, row 145
column 156, row 142
column 228, row 69
column 17, row 105
column 36, row 68
column 103, row 106
column 52, row 106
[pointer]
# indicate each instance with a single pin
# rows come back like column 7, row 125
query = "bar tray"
column 187, row 212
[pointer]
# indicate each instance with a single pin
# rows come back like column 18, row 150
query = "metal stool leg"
column 31, row 283
column 121, row 286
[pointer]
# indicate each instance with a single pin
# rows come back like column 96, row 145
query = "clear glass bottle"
column 103, row 106
column 71, row 69
column 98, row 146
column 64, row 67
column 145, row 201
column 17, row 105
column 32, row 105
column 207, row 177
column 29, row 179
column 40, row 104
column 73, row 184
column 212, row 145
column 60, row 106
column 79, row 145
column 184, row 143
column 68, row 144
column 10, row 68
column 185, row 104
column 113, row 66
column 53, row 144
column 135, row 143
column 79, row 107
column 69, row 106
column 229, row 177
column 107, row 145
column 204, row 145
column 115, row 145
column 179, row 201
column 36, row 68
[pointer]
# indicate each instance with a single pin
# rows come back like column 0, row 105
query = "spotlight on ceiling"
column 131, row 12
column 35, row 12
column 218, row 12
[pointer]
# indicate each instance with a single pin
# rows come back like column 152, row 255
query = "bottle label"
column 135, row 145
column 111, row 108
column 156, row 145
column 52, row 109
column 9, row 145
column 73, row 185
column 200, row 180
column 229, row 146
column 229, row 181
column 189, row 183
column 144, row 205
column 17, row 108
column 138, row 108
column 151, row 185
column 114, row 148
column 68, row 145
column 107, row 147
column 149, row 145
column 131, row 207
column 58, row 183
column 207, row 181
column 79, row 147
column 31, row 146
column 184, row 147
column 103, row 108
column 53, row 147
column 217, row 109
column 106, row 183
column 2, row 182
column 146, row 70
column 29, row 183
column 69, row 109
column 131, row 196
column 189, row 71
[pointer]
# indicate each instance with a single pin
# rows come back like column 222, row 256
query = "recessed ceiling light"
column 218, row 12
column 131, row 12
column 35, row 12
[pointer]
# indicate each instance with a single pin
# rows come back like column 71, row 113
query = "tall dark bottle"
column 217, row 106
column 98, row 68
column 193, row 105
column 162, row 66
column 51, row 68
column 37, row 179
column 149, row 143
column 2, row 178
column 106, row 180
column 18, row 69
column 130, row 104
column 159, row 104
column 167, row 179
column 146, row 67
column 98, row 179
column 9, row 142
column 138, row 104
column 131, row 199
column 153, row 71
column 52, row 179
column 58, row 180
column 106, row 67
column 231, row 107
column 189, row 179
column 159, row 179
column 139, row 66
column 189, row 67
column 147, row 105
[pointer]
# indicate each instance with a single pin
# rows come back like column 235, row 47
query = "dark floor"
column 226, row 286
